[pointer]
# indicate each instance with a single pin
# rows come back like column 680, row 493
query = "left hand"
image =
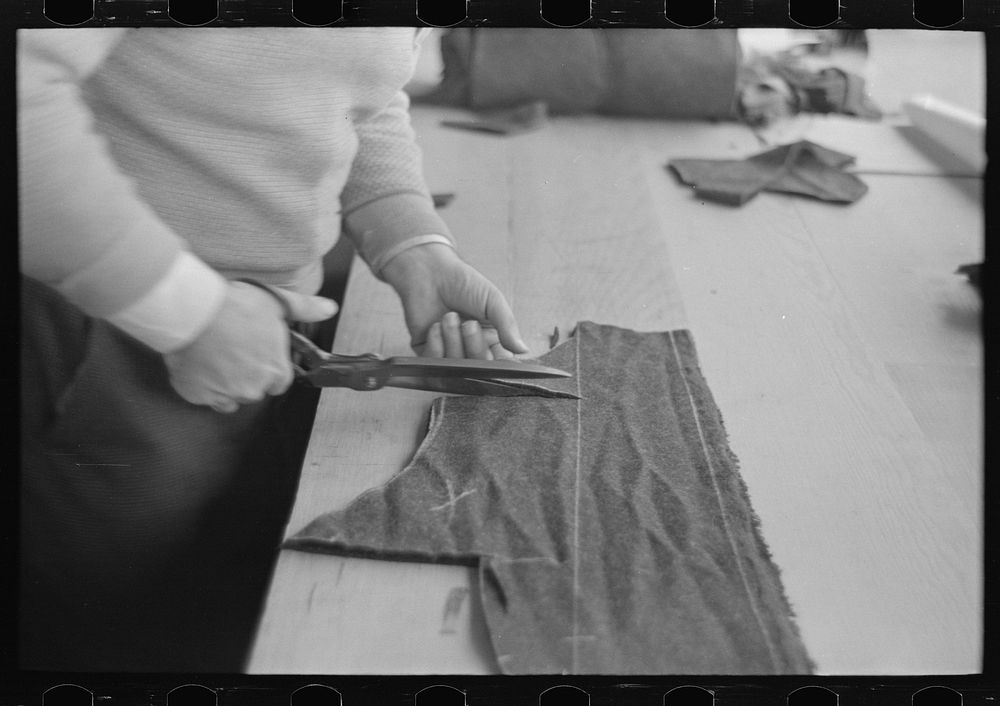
column 437, row 289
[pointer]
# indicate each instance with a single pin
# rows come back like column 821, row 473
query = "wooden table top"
column 841, row 348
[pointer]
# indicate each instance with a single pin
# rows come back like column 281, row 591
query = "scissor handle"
column 306, row 353
column 362, row 375
column 364, row 372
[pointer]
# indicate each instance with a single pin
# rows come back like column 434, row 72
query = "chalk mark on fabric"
column 576, row 511
column 722, row 510
column 452, row 499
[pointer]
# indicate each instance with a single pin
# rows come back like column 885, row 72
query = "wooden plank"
column 583, row 240
column 947, row 402
column 897, row 273
column 878, row 551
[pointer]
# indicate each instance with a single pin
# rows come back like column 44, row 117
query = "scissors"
column 368, row 372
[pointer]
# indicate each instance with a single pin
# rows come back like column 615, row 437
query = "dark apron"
column 149, row 526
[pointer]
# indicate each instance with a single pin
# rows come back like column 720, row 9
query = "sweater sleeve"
column 386, row 203
column 84, row 229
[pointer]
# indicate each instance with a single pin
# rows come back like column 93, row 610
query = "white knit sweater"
column 156, row 162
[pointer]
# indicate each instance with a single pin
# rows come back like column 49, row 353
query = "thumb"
column 306, row 308
column 499, row 314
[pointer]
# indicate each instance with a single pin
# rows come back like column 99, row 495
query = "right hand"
column 243, row 355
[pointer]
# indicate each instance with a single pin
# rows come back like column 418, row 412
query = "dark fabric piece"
column 799, row 168
column 149, row 526
column 612, row 534
column 509, row 121
column 637, row 72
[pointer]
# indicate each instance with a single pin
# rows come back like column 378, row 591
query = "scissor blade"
column 406, row 367
column 477, row 387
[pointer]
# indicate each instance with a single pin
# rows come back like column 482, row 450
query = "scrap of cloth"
column 801, row 167
column 613, row 534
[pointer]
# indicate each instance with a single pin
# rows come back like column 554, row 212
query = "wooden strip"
column 893, row 258
column 947, row 402
column 879, row 557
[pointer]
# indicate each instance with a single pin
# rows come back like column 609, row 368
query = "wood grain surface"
column 842, row 351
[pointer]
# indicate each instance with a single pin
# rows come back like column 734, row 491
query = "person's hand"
column 451, row 337
column 243, row 354
column 438, row 289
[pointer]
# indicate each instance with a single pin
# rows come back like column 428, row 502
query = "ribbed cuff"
column 178, row 307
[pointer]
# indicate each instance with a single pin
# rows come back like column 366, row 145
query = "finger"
column 492, row 339
column 281, row 382
column 308, row 308
column 247, row 394
column 224, row 405
column 499, row 314
column 500, row 353
column 490, row 334
column 434, row 346
column 193, row 393
column 453, row 347
column 474, row 341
